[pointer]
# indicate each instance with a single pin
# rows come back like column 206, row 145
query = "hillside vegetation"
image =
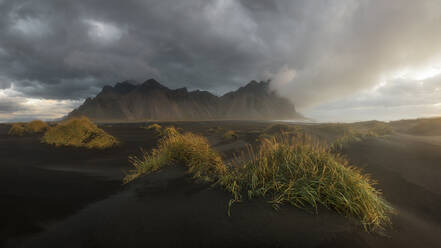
column 79, row 132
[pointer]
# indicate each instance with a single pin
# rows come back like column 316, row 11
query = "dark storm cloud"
column 54, row 44
column 315, row 51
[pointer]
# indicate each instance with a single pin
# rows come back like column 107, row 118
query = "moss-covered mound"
column 79, row 132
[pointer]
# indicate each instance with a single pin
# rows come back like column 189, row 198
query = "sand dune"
column 65, row 197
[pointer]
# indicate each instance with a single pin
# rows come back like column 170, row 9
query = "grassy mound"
column 296, row 172
column 33, row 127
column 17, row 129
column 304, row 175
column 154, row 127
column 230, row 135
column 36, row 126
column 188, row 149
column 79, row 132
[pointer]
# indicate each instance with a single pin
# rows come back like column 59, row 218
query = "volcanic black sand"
column 69, row 197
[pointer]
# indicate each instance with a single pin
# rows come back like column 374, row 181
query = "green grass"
column 33, row 127
column 187, row 149
column 79, row 132
column 297, row 172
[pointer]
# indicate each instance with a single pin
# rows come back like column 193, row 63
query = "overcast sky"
column 335, row 60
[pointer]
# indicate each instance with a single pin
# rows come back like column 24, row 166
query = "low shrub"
column 79, row 132
column 187, row 149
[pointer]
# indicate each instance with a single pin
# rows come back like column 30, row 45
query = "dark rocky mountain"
column 127, row 101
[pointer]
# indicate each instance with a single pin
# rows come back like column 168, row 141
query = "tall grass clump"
column 285, row 170
column 79, row 132
column 36, row 126
column 304, row 174
column 17, row 129
column 188, row 149
column 33, row 127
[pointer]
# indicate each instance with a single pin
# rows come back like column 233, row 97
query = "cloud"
column 316, row 52
column 14, row 106
column 395, row 99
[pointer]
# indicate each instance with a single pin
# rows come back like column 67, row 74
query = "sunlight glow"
column 103, row 32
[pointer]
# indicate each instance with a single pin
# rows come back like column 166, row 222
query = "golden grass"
column 17, row 129
column 296, row 171
column 79, row 132
column 230, row 135
column 36, row 126
column 154, row 127
column 187, row 149
column 304, row 174
column 33, row 127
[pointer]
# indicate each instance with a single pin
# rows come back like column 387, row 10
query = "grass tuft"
column 17, row 129
column 79, row 132
column 154, row 127
column 305, row 174
column 230, row 135
column 33, row 127
column 36, row 126
column 296, row 171
column 188, row 149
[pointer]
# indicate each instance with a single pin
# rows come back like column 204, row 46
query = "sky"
column 342, row 60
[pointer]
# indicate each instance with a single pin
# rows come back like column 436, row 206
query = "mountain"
column 127, row 101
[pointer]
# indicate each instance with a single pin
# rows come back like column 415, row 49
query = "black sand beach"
column 70, row 197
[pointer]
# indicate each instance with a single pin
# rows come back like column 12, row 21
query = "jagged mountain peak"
column 152, row 100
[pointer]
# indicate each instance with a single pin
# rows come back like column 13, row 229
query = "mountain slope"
column 153, row 101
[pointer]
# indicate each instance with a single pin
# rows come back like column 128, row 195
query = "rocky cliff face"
column 153, row 101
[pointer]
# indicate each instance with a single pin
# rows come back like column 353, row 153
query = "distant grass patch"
column 298, row 172
column 187, row 149
column 353, row 135
column 154, row 127
column 79, row 132
column 17, row 129
column 33, row 127
column 230, row 135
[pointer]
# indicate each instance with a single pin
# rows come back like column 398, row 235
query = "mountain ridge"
column 127, row 101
